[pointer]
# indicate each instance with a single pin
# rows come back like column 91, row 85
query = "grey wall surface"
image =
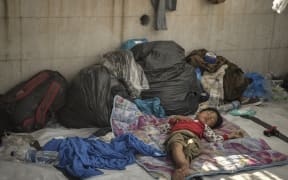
column 67, row 35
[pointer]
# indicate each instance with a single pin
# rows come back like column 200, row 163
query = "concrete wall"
column 67, row 35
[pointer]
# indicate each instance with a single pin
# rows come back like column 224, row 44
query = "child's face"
column 207, row 117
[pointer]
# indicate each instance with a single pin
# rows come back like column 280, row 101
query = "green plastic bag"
column 243, row 112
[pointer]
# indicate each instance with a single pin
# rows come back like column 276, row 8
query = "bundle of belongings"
column 90, row 96
column 170, row 77
column 219, row 74
column 150, row 70
column 158, row 70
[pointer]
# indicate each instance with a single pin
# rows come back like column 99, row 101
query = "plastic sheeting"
column 158, row 55
column 132, row 42
column 258, row 87
column 123, row 66
column 279, row 5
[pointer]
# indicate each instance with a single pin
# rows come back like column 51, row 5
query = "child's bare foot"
column 179, row 174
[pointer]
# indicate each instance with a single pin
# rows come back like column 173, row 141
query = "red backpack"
column 32, row 103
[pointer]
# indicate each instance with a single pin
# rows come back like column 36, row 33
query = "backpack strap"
column 45, row 104
column 27, row 124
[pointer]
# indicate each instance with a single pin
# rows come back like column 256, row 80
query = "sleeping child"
column 183, row 141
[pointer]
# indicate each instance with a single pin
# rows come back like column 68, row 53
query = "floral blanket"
column 126, row 117
column 226, row 157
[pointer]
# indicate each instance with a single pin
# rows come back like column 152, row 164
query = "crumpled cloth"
column 80, row 157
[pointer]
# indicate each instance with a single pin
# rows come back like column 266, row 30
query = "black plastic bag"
column 90, row 98
column 170, row 78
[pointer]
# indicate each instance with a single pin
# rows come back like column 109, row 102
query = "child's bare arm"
column 236, row 134
column 175, row 118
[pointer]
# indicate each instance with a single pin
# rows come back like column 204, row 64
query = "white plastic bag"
column 122, row 64
column 279, row 5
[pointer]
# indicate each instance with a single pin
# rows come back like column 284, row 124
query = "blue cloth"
column 151, row 106
column 198, row 73
column 257, row 88
column 81, row 156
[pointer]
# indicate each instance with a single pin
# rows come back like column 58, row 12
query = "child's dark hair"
column 219, row 120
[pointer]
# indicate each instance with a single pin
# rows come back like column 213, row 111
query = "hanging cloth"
column 160, row 7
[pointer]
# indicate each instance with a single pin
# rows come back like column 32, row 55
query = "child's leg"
column 181, row 163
